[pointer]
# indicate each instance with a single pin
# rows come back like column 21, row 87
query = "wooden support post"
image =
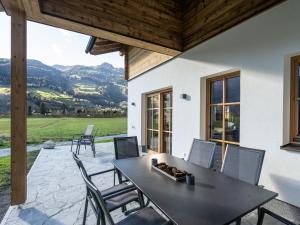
column 18, row 107
column 126, row 63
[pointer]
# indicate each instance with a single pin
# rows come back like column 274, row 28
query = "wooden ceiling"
column 205, row 19
column 165, row 26
column 151, row 21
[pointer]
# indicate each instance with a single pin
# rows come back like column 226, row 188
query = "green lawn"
column 61, row 129
column 5, row 168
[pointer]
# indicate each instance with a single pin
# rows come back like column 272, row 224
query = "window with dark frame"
column 223, row 110
column 159, row 121
column 295, row 100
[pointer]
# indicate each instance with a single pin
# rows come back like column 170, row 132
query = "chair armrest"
column 130, row 188
column 76, row 136
column 101, row 172
column 86, row 136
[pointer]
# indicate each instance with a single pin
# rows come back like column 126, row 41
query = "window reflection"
column 232, row 123
column 217, row 92
column 233, row 89
column 216, row 122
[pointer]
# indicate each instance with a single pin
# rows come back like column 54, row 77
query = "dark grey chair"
column 115, row 197
column 125, row 147
column 244, row 164
column 86, row 139
column 282, row 211
column 202, row 153
column 146, row 216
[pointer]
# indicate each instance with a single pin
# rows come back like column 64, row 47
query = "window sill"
column 295, row 147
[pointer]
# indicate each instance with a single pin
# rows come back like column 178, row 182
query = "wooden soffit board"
column 205, row 19
column 141, row 60
column 102, row 46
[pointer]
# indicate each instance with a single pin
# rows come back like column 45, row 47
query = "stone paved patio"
column 56, row 191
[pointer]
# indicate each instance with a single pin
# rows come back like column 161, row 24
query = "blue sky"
column 54, row 46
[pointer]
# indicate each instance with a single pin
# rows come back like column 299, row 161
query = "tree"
column 29, row 110
column 64, row 108
column 43, row 109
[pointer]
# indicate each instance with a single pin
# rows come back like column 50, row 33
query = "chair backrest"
column 243, row 163
column 79, row 163
column 97, row 199
column 89, row 130
column 126, row 147
column 202, row 153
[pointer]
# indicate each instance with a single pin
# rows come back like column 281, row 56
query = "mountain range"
column 67, row 89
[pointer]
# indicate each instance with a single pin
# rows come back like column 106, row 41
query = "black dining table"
column 214, row 199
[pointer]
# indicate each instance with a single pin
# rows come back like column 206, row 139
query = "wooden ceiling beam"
column 116, row 46
column 101, row 52
column 104, row 42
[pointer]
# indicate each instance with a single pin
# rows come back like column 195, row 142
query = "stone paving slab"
column 56, row 190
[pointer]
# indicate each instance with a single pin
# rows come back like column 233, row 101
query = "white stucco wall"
column 261, row 49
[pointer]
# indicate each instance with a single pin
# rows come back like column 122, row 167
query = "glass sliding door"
column 223, row 107
column 152, row 122
column 159, row 122
column 167, row 122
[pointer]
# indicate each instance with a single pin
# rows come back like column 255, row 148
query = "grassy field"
column 62, row 129
column 5, row 168
column 47, row 94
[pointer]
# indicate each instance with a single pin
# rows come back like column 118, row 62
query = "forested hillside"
column 60, row 89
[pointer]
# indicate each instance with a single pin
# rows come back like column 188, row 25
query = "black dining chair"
column 145, row 216
column 244, row 164
column 202, row 153
column 125, row 147
column 86, row 139
column 117, row 196
column 284, row 212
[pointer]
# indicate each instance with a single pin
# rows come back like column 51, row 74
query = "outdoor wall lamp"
column 185, row 97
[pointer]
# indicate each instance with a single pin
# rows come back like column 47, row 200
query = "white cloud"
column 57, row 50
column 67, row 35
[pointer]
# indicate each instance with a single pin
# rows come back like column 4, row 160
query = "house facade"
column 238, row 83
